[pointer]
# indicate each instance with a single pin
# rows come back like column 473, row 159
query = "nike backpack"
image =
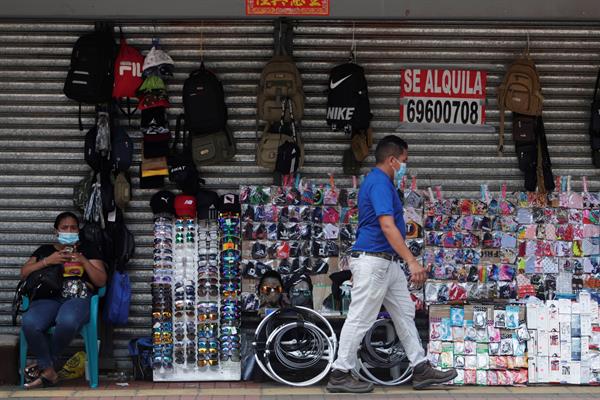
column 91, row 74
column 348, row 106
column 279, row 80
column 519, row 92
column 204, row 102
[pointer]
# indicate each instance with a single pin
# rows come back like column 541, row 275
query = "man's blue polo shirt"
column 377, row 196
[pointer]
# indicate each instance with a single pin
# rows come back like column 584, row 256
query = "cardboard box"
column 575, row 373
column 554, row 374
column 543, row 344
column 565, row 371
column 565, row 326
column 543, row 366
column 564, row 306
column 532, row 343
column 585, row 348
column 532, row 370
column 553, row 344
column 586, row 324
column 565, row 350
column 576, row 349
column 531, row 312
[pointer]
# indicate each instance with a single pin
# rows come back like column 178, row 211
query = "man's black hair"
column 390, row 145
column 270, row 274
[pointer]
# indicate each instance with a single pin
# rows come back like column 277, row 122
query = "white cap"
column 156, row 57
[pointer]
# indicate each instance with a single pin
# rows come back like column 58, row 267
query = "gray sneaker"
column 345, row 382
column 425, row 375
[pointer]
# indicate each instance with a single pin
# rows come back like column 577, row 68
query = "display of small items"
column 295, row 230
column 162, row 299
column 471, row 249
column 558, row 243
column 196, row 292
column 413, row 216
column 565, row 341
column 486, row 344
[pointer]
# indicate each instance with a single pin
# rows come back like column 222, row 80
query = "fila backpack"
column 279, row 80
column 128, row 73
column 348, row 106
column 204, row 102
column 90, row 77
column 519, row 92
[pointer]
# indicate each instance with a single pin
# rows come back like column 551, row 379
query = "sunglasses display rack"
column 195, row 288
column 299, row 229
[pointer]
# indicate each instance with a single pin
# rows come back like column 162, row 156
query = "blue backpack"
column 116, row 308
column 140, row 351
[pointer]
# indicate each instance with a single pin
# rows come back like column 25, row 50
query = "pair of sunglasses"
column 270, row 289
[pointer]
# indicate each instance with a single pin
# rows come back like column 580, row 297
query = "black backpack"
column 123, row 245
column 204, row 102
column 348, row 106
column 90, row 78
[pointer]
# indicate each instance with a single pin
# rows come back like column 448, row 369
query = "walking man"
column 377, row 277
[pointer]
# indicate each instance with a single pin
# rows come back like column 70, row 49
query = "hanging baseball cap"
column 229, row 203
column 154, row 120
column 185, row 205
column 152, row 83
column 153, row 99
column 163, row 71
column 163, row 202
column 206, row 201
column 156, row 57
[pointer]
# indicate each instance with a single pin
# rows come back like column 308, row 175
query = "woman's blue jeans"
column 67, row 315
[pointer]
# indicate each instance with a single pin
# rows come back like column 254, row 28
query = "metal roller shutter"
column 41, row 147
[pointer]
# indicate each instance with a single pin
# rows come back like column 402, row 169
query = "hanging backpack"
column 182, row 171
column 519, row 92
column 595, row 125
column 280, row 79
column 213, row 148
column 140, row 351
column 289, row 153
column 276, row 135
column 90, row 77
column 204, row 102
column 128, row 74
column 348, row 105
column 83, row 190
column 97, row 146
column 121, row 150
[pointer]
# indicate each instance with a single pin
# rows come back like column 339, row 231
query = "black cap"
column 230, row 203
column 163, row 202
column 205, row 201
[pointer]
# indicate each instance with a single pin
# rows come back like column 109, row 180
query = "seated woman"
column 83, row 272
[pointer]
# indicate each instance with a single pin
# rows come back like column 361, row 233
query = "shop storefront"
column 42, row 147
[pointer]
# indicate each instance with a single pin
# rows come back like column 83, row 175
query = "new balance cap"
column 185, row 205
column 229, row 203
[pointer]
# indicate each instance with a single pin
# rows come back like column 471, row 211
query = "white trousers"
column 376, row 281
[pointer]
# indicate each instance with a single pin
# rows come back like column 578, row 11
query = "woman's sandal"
column 41, row 382
column 32, row 372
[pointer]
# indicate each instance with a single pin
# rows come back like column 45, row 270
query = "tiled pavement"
column 269, row 391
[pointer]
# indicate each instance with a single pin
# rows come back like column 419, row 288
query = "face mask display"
column 68, row 237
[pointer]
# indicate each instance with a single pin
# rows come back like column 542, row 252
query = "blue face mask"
column 68, row 238
column 399, row 173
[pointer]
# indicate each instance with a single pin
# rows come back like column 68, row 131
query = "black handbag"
column 41, row 284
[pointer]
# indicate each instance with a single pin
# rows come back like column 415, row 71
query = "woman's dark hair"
column 64, row 215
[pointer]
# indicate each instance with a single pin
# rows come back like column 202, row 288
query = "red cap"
column 185, row 206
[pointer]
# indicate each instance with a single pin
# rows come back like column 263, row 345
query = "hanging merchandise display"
column 196, row 316
column 301, row 230
column 486, row 344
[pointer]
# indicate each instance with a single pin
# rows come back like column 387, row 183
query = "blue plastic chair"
column 89, row 332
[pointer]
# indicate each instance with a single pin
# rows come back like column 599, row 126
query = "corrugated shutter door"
column 41, row 148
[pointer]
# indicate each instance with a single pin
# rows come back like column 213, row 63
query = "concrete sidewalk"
column 270, row 391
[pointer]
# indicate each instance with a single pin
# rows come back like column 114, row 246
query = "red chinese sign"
column 443, row 96
column 288, row 7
